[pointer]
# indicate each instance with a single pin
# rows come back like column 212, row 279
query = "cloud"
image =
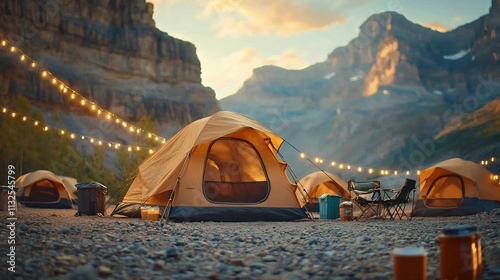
column 282, row 17
column 437, row 27
column 227, row 75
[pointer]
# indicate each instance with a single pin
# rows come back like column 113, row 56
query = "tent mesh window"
column 44, row 191
column 234, row 173
column 446, row 191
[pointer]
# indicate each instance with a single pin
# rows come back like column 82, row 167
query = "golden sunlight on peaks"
column 436, row 27
column 383, row 71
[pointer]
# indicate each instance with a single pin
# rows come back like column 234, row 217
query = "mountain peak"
column 495, row 7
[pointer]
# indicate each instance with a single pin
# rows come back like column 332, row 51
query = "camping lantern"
column 346, row 210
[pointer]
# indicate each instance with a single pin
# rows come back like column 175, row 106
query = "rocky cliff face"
column 110, row 52
column 383, row 99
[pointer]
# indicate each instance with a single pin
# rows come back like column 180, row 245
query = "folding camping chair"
column 366, row 195
column 397, row 200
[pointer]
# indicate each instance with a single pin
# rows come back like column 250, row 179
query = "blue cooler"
column 329, row 206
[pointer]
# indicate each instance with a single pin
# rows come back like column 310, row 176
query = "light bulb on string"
column 333, row 163
column 138, row 148
column 99, row 111
column 418, row 172
column 348, row 167
column 129, row 149
column 395, row 173
column 24, row 119
column 149, row 135
column 4, row 110
column 370, row 171
column 62, row 87
column 36, row 123
column 62, row 132
column 91, row 140
column 72, row 136
column 360, row 169
column 13, row 115
column 150, row 151
column 341, row 166
column 100, row 143
column 407, row 172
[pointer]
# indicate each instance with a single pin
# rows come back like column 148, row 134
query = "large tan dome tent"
column 456, row 187
column 44, row 189
column 319, row 183
column 220, row 168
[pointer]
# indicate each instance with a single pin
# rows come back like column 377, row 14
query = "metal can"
column 346, row 210
column 458, row 253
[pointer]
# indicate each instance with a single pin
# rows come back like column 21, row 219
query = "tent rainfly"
column 456, row 187
column 220, row 168
column 44, row 189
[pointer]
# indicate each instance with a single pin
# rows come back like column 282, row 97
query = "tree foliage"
column 29, row 148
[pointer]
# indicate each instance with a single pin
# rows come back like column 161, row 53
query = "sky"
column 233, row 37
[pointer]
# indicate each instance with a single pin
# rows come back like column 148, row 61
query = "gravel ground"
column 53, row 244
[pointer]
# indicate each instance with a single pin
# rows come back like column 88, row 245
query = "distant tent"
column 220, row 168
column 456, row 187
column 319, row 183
column 44, row 189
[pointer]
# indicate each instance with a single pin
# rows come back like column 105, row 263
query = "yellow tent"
column 456, row 187
column 220, row 168
column 44, row 189
column 319, row 183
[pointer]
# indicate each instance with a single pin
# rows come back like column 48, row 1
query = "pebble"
column 24, row 227
column 104, row 271
column 64, row 247
column 172, row 252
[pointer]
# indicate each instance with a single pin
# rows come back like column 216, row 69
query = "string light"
column 72, row 135
column 63, row 88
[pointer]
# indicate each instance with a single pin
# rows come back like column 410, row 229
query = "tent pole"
column 166, row 211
